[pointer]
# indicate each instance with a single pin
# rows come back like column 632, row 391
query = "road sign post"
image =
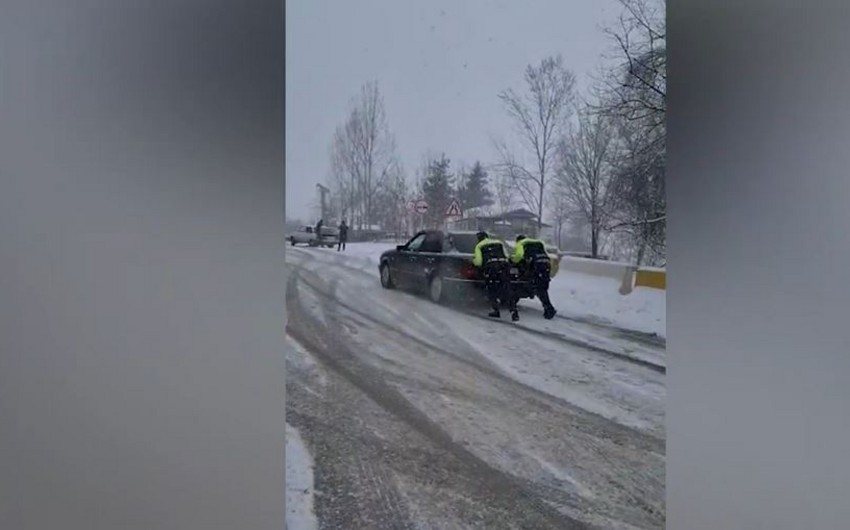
column 454, row 211
column 421, row 209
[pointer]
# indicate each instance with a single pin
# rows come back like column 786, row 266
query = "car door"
column 307, row 234
column 408, row 261
column 425, row 259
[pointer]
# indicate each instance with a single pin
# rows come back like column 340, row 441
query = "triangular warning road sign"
column 454, row 209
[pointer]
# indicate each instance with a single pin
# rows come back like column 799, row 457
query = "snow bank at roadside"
column 596, row 298
column 299, row 483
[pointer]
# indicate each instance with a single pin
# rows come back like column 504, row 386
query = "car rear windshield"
column 464, row 243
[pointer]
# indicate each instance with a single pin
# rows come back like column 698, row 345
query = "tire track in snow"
column 342, row 262
column 599, row 451
column 490, row 481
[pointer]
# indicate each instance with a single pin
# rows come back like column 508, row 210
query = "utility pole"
column 323, row 191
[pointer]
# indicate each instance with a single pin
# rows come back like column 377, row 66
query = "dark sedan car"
column 440, row 264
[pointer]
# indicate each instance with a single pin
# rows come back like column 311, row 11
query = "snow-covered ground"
column 405, row 394
column 625, row 394
column 585, row 296
column 299, row 483
column 554, row 360
column 577, row 295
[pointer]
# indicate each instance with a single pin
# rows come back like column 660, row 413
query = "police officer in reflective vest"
column 491, row 257
column 531, row 254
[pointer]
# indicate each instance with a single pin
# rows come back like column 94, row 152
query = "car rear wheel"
column 435, row 289
column 386, row 277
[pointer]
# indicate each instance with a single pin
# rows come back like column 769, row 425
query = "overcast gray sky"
column 439, row 63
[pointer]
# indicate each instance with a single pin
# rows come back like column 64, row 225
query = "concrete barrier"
column 652, row 278
column 594, row 267
column 629, row 276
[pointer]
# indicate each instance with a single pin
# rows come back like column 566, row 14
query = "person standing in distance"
column 491, row 257
column 531, row 255
column 343, row 236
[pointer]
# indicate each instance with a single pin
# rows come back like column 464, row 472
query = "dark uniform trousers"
column 539, row 273
column 497, row 282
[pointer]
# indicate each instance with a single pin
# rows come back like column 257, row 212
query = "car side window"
column 416, row 243
column 449, row 244
column 308, row 229
column 433, row 243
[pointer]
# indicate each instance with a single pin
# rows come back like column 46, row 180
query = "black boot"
column 550, row 313
column 515, row 315
column 494, row 314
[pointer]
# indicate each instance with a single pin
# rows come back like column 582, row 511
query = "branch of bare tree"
column 540, row 117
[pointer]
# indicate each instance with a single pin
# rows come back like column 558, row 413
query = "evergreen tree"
column 475, row 191
column 437, row 189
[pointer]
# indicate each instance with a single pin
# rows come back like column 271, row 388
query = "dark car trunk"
column 463, row 244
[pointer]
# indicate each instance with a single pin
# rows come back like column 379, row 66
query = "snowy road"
column 420, row 416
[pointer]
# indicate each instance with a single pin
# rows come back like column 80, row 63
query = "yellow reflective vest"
column 519, row 251
column 478, row 256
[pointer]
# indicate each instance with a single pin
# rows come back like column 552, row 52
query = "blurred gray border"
column 759, row 340
column 141, row 265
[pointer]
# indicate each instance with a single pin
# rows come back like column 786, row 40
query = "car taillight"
column 469, row 271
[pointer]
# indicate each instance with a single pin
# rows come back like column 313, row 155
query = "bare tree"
column 363, row 154
column 639, row 196
column 505, row 192
column 391, row 201
column 561, row 213
column 636, row 89
column 585, row 173
column 633, row 95
column 541, row 116
column 343, row 176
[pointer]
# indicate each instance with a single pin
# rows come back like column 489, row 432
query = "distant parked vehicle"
column 306, row 235
column 302, row 235
column 330, row 236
